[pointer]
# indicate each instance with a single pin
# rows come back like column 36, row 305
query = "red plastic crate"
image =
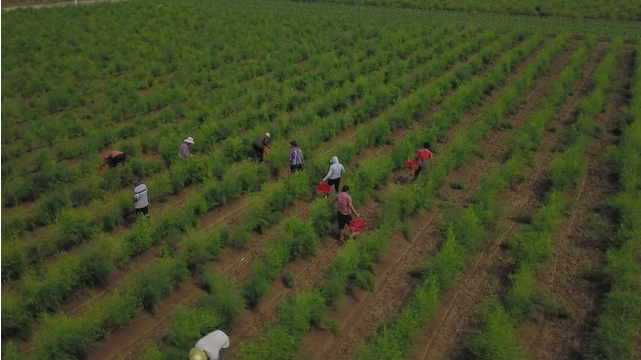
column 357, row 225
column 324, row 188
column 412, row 164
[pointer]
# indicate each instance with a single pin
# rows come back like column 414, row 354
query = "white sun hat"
column 197, row 354
column 189, row 140
column 267, row 134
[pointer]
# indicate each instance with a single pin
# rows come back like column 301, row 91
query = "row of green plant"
column 533, row 246
column 620, row 316
column 99, row 139
column 617, row 10
column 59, row 58
column 214, row 187
column 130, row 103
column 213, row 194
column 123, row 174
column 395, row 337
column 353, row 265
column 300, row 238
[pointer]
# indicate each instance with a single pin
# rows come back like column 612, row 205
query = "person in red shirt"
column 423, row 156
column 345, row 209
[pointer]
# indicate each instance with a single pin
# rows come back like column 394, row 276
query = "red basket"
column 324, row 188
column 267, row 151
column 412, row 164
column 100, row 167
column 357, row 225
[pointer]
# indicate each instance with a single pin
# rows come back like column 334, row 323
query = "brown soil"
column 577, row 247
column 361, row 312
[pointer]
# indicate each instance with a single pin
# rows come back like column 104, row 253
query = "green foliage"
column 497, row 337
column 224, row 298
column 288, row 279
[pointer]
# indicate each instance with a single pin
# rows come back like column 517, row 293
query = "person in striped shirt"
column 296, row 158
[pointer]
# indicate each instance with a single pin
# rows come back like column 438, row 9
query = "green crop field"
column 521, row 239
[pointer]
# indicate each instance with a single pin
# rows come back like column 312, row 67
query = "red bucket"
column 412, row 164
column 324, row 188
column 100, row 169
column 267, row 151
column 357, row 225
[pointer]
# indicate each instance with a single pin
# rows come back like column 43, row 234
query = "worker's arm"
column 351, row 206
column 136, row 198
column 333, row 201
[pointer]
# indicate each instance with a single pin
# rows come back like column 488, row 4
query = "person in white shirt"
column 333, row 177
column 213, row 346
column 140, row 198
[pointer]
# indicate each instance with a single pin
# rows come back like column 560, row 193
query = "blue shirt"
column 296, row 156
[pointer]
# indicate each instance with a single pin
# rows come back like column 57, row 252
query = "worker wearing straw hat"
column 184, row 148
column 213, row 346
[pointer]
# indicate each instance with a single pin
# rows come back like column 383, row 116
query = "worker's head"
column 426, row 145
column 345, row 188
column 197, row 354
column 268, row 135
column 189, row 140
column 135, row 180
column 293, row 144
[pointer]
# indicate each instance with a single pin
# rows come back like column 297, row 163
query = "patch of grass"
column 457, row 185
column 332, row 326
column 446, row 206
column 407, row 231
column 439, row 195
column 524, row 216
column 550, row 307
column 288, row 279
column 592, row 275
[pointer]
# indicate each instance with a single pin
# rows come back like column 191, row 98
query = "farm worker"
column 345, row 209
column 296, row 157
column 213, row 346
column 333, row 176
column 114, row 158
column 423, row 155
column 184, row 148
column 141, row 203
column 260, row 143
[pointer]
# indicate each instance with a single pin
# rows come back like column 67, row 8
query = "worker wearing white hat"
column 184, row 148
column 260, row 143
column 213, row 346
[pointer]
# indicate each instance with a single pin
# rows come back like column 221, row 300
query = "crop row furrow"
column 533, row 245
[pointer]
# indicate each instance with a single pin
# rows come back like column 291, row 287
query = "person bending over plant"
column 261, row 142
column 345, row 209
column 184, row 148
column 213, row 346
column 423, row 155
column 296, row 158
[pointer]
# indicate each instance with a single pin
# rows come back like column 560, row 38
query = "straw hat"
column 189, row 140
column 267, row 134
column 197, row 354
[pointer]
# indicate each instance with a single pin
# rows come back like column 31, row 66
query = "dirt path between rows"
column 577, row 247
column 361, row 312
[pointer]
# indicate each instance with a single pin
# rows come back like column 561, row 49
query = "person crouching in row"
column 214, row 346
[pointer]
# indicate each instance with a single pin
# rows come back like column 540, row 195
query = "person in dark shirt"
column 261, row 142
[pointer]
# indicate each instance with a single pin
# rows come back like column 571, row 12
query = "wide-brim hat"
column 189, row 140
column 197, row 354
column 268, row 135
